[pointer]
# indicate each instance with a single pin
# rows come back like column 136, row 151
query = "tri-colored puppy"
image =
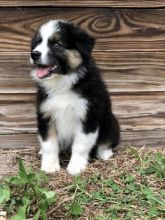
column 73, row 108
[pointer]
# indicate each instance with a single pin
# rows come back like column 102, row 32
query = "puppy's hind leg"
column 109, row 137
column 104, row 152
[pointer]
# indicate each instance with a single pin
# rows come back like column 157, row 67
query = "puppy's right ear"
column 83, row 41
column 78, row 37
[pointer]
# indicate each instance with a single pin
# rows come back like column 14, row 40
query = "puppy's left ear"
column 84, row 42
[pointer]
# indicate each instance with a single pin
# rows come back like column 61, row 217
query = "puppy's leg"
column 50, row 152
column 81, row 148
column 109, row 135
column 104, row 152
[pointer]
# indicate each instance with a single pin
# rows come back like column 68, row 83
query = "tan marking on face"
column 55, row 36
column 74, row 58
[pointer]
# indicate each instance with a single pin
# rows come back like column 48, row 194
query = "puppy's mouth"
column 46, row 71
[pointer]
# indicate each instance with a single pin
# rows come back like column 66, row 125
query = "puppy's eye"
column 56, row 45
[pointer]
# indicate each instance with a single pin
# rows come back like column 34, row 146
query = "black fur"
column 99, row 113
column 90, row 86
column 43, row 123
column 76, row 38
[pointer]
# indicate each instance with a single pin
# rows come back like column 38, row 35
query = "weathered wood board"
column 130, row 52
column 123, row 72
column 85, row 3
column 134, row 113
column 114, row 29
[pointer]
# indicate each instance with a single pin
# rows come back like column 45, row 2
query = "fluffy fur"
column 73, row 105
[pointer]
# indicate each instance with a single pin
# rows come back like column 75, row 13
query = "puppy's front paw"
column 50, row 167
column 77, row 166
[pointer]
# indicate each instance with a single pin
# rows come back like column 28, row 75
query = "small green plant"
column 79, row 197
column 157, row 167
column 23, row 196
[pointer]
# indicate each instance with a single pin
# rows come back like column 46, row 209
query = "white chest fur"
column 66, row 109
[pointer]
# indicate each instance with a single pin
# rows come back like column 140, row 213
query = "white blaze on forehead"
column 46, row 31
column 49, row 28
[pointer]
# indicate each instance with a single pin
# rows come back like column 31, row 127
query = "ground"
column 131, row 185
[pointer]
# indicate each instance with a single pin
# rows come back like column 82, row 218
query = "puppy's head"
column 59, row 47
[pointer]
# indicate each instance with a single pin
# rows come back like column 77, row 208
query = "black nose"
column 35, row 55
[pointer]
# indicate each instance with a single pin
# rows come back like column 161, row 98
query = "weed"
column 157, row 167
column 23, row 196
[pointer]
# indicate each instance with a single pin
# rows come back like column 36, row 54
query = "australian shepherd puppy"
column 73, row 105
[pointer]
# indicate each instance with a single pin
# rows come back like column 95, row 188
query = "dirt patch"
column 8, row 160
column 9, row 165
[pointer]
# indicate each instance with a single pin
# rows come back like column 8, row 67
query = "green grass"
column 129, row 186
column 23, row 196
column 126, row 199
column 135, row 195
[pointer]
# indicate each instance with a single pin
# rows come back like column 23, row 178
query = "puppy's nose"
column 35, row 55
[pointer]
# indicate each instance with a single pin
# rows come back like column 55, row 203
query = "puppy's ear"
column 83, row 41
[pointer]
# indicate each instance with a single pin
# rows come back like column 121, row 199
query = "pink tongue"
column 42, row 72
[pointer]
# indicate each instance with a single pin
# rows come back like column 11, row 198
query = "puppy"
column 73, row 104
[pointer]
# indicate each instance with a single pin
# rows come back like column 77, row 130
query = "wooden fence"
column 130, row 51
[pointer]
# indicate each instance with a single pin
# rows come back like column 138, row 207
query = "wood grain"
column 143, row 138
column 129, row 51
column 129, row 138
column 114, row 29
column 123, row 72
column 17, row 118
column 6, row 98
column 136, row 112
column 18, row 141
column 84, row 3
